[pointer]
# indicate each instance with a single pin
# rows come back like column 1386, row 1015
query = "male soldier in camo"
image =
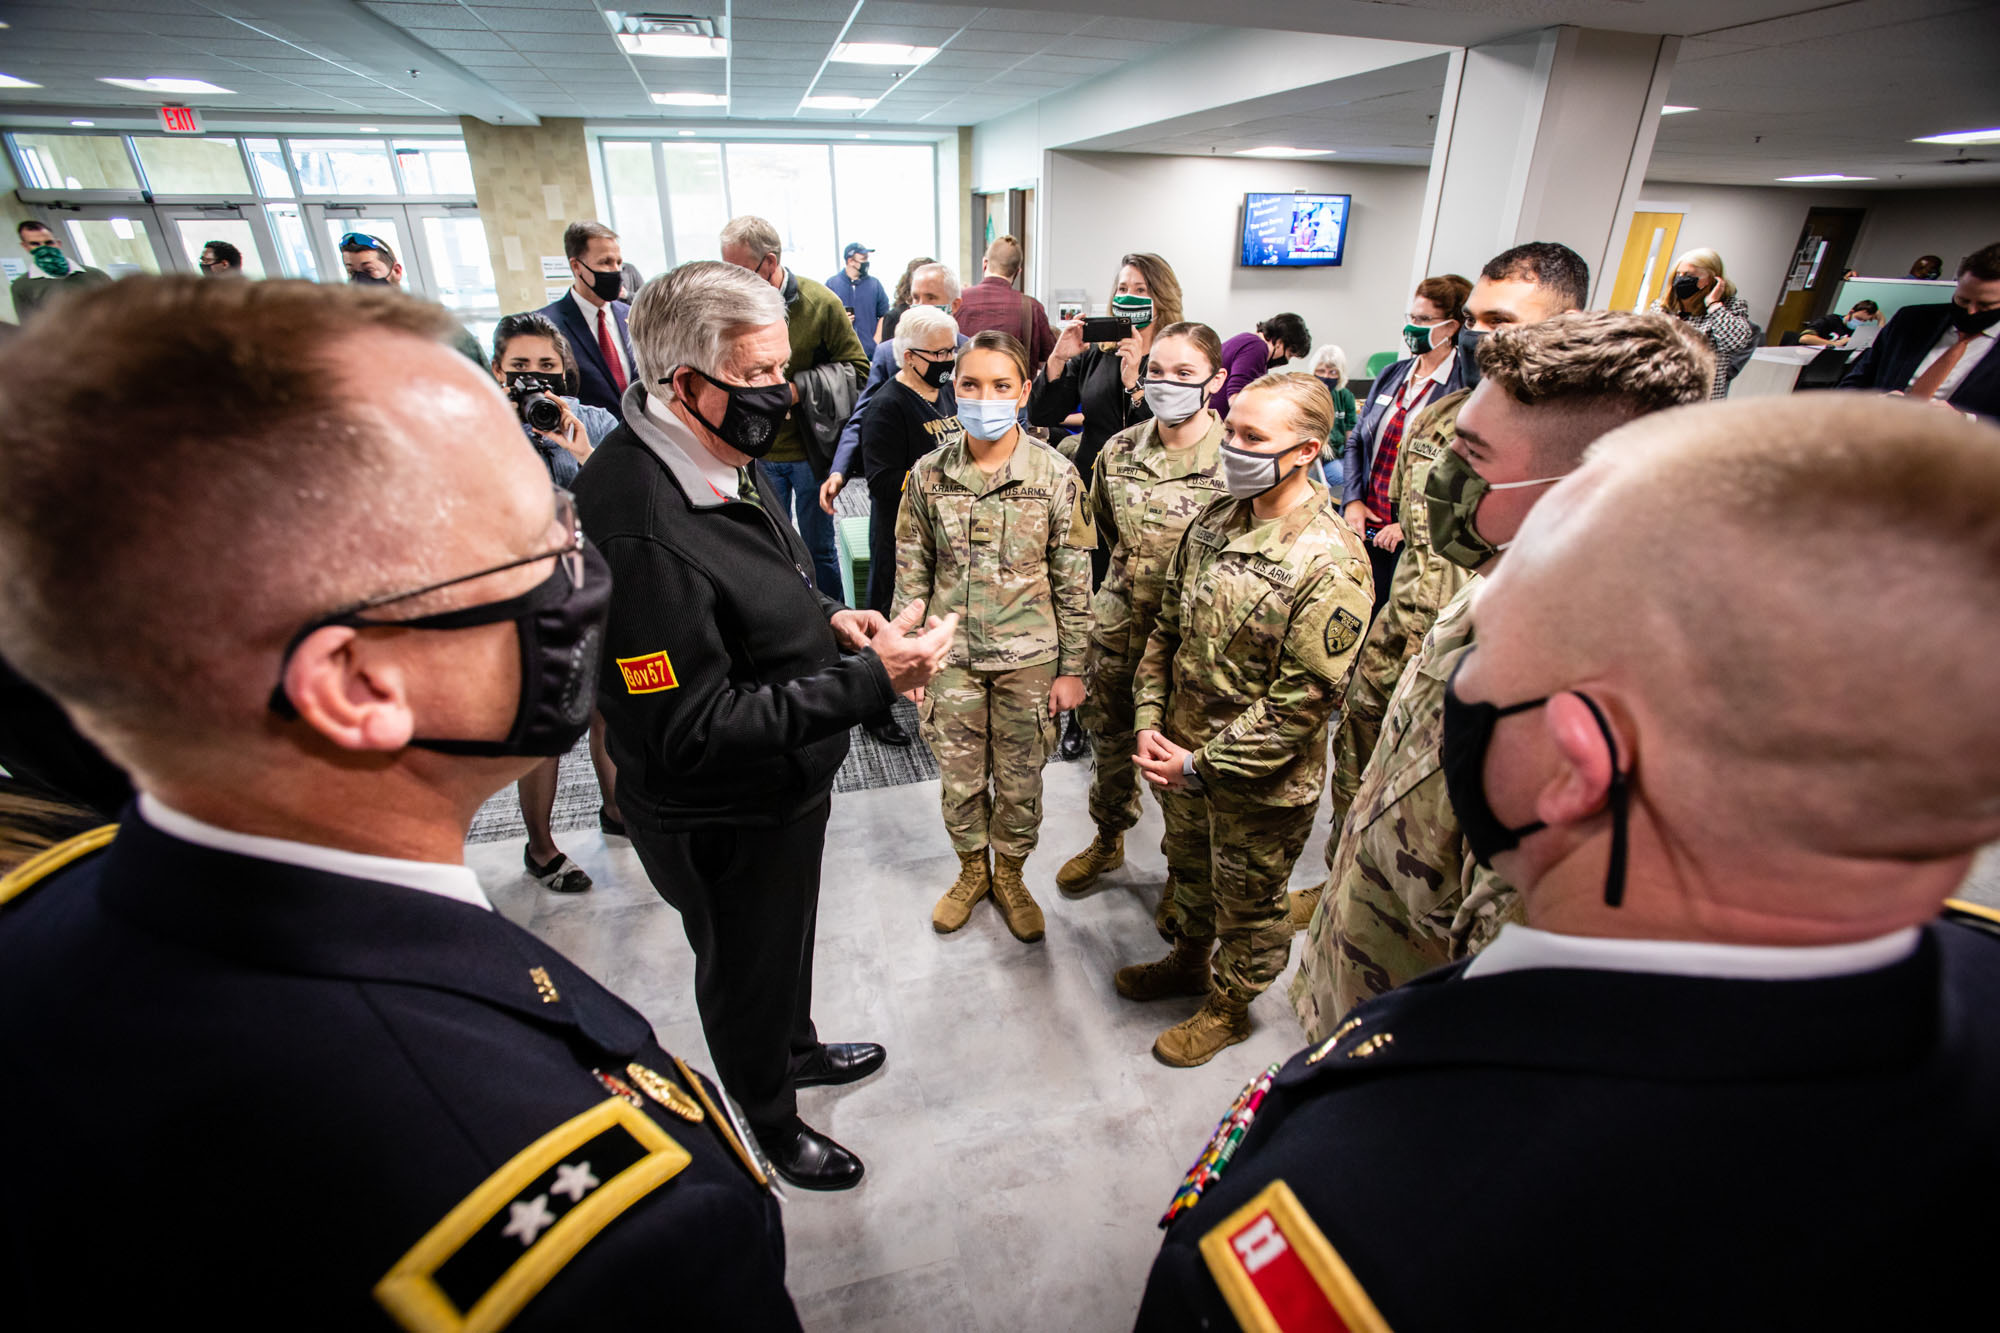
column 1407, row 895
column 992, row 527
column 1524, row 285
column 1147, row 486
column 1260, row 618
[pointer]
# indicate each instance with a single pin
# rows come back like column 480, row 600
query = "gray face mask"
column 1247, row 475
column 1174, row 403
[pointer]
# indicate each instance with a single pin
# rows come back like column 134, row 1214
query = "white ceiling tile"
column 425, row 16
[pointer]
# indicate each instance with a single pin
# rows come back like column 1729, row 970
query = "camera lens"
column 542, row 412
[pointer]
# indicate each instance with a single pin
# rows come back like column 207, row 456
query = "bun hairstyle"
column 1312, row 406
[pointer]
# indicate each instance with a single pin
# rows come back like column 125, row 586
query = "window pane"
column 461, row 267
column 630, row 183
column 435, row 166
column 295, row 252
column 196, row 234
column 119, row 246
column 888, row 202
column 788, row 185
column 343, row 166
column 192, row 166
column 268, row 161
column 75, row 162
column 694, row 191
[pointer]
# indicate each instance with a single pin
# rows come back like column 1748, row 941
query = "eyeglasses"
column 363, row 240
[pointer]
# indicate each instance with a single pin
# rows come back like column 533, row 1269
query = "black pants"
column 749, row 902
column 885, row 499
column 1383, row 563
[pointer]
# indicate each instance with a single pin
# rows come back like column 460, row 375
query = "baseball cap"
column 855, row 248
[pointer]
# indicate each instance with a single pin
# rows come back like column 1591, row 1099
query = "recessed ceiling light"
column 880, row 53
column 1829, row 176
column 9, row 81
column 1677, row 110
column 163, row 85
column 674, row 45
column 1283, row 150
column 84, row 124
column 690, row 99
column 1963, row 136
column 839, row 103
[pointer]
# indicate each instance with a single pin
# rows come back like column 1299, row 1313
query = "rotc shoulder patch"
column 501, row 1245
column 1343, row 630
column 1280, row 1274
column 649, row 674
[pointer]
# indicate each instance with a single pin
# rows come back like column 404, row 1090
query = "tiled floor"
column 1022, row 1140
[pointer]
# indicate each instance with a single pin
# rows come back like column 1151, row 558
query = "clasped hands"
column 1163, row 762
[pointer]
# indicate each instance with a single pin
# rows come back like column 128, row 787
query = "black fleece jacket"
column 727, row 695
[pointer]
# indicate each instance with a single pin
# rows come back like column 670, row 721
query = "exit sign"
column 180, row 120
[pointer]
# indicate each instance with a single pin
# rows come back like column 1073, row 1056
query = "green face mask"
column 50, row 260
column 1452, row 493
column 1138, row 309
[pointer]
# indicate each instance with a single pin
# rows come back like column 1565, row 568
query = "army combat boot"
column 1219, row 1022
column 1182, row 972
column 1106, row 852
column 1017, row 906
column 1299, row 905
column 973, row 883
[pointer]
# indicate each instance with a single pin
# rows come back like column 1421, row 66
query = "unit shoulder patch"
column 1343, row 631
column 1280, row 1274
column 51, row 859
column 500, row 1246
column 649, row 673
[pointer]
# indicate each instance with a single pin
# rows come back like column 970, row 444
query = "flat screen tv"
column 1294, row 230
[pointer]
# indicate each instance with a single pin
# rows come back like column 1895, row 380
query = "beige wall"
column 531, row 182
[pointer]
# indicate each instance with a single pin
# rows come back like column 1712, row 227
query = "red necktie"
column 1927, row 384
column 607, row 344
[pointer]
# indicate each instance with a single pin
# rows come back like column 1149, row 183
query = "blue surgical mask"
column 988, row 418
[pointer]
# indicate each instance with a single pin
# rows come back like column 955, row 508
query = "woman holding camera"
column 531, row 357
column 1705, row 298
column 530, row 347
column 1105, row 380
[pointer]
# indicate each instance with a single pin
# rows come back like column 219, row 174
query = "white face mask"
column 988, row 418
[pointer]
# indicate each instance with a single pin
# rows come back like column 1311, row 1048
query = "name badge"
column 1203, row 536
column 1424, row 446
column 985, row 530
column 1383, row 400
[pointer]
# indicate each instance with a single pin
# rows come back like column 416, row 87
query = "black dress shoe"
column 841, row 1062
column 1075, row 740
column 887, row 730
column 809, row 1159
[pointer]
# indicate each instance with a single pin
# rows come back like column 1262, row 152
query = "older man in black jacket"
column 727, row 690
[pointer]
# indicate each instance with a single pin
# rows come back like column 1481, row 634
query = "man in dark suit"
column 1639, row 1107
column 592, row 316
column 359, row 1097
column 1942, row 352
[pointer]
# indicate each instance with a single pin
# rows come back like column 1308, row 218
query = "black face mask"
column 1965, row 321
column 750, row 423
column 1468, row 341
column 606, row 286
column 1686, row 286
column 560, row 623
column 861, row 272
column 368, row 280
column 1468, row 734
column 937, row 374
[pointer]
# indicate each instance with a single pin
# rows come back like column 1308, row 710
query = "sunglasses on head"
column 364, row 240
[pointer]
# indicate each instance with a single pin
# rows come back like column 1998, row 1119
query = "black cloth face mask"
column 560, row 622
column 1686, row 286
column 1468, row 734
column 750, row 423
column 937, row 374
column 1966, row 321
column 606, row 286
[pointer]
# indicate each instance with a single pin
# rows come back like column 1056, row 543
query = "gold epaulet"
column 1975, row 915
column 46, row 862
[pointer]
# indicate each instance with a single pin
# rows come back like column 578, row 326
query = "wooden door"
column 1816, row 268
column 1648, row 261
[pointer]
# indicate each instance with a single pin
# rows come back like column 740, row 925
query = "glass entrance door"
column 119, row 239
column 192, row 228
column 460, row 267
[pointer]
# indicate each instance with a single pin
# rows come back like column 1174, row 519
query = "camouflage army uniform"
column 1142, row 496
column 1405, row 895
column 1424, row 581
column 1010, row 553
column 1258, row 628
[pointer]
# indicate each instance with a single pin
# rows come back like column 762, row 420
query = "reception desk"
column 1779, row 370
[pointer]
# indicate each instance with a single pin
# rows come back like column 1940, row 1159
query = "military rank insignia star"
column 1343, row 630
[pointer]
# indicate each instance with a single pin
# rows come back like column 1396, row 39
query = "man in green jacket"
column 827, row 370
column 50, row 271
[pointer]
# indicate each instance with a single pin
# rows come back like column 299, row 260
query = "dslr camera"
column 535, row 399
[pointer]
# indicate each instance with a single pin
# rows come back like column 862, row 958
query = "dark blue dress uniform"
column 240, row 1093
column 1564, row 1149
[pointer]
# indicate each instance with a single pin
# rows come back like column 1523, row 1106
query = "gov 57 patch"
column 649, row 674
column 1280, row 1274
column 501, row 1245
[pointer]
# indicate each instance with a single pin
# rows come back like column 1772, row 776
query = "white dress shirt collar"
column 1979, row 348
column 1518, row 948
column 589, row 313
column 722, row 478
column 447, row 881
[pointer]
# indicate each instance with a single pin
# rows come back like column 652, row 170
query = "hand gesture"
column 1390, row 537
column 855, row 628
column 830, row 488
column 911, row 658
column 1132, row 360
column 1068, row 344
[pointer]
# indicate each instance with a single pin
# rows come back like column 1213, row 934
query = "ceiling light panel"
column 881, row 53
column 1829, row 176
column 690, row 99
column 674, row 45
column 177, row 87
column 1963, row 136
column 824, row 103
column 9, row 81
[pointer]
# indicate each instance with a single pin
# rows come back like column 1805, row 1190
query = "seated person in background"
column 529, row 351
column 1928, row 267
column 1942, row 352
column 1735, row 849
column 1404, row 892
column 1833, row 331
column 361, row 610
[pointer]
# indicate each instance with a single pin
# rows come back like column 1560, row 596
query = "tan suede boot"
column 1300, row 903
column 1182, row 972
column 1017, row 906
column 1219, row 1022
column 1106, row 852
column 974, row 882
